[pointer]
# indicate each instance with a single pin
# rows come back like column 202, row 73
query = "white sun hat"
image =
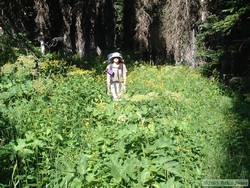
column 113, row 55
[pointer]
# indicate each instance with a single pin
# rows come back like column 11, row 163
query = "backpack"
column 114, row 74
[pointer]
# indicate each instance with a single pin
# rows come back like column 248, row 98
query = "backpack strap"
column 111, row 67
column 122, row 69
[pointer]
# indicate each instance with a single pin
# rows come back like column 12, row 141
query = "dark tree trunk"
column 109, row 22
column 129, row 24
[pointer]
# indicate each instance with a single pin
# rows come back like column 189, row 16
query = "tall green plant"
column 172, row 129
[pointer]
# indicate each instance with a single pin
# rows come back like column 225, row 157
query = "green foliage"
column 11, row 47
column 53, row 67
column 169, row 131
column 7, row 53
column 224, row 39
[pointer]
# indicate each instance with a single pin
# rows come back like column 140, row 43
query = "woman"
column 116, row 75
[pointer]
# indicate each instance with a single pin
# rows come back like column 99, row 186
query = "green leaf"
column 144, row 176
column 160, row 161
column 59, row 136
column 90, row 177
column 28, row 151
column 82, row 164
column 115, row 172
column 172, row 167
column 170, row 182
column 20, row 145
column 130, row 167
column 76, row 183
column 163, row 142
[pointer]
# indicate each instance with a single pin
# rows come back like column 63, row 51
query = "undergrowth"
column 173, row 128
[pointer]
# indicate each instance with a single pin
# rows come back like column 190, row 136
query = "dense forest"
column 184, row 120
column 215, row 33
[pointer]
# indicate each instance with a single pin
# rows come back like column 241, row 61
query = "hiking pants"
column 116, row 89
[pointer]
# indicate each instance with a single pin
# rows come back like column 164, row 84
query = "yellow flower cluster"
column 20, row 66
column 39, row 86
column 77, row 71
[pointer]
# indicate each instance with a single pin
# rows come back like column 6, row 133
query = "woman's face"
column 116, row 60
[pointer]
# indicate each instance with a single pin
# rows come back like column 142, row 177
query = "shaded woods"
column 215, row 33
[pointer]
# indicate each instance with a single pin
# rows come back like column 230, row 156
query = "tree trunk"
column 203, row 10
column 109, row 21
column 129, row 24
column 143, row 21
column 79, row 35
column 179, row 20
column 42, row 21
column 67, row 19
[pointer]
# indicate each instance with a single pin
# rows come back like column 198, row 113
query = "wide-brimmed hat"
column 113, row 55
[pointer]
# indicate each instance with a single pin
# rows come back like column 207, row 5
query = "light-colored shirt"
column 119, row 73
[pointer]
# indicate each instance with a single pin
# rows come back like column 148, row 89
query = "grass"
column 174, row 128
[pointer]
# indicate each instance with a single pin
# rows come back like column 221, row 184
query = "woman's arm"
column 124, row 72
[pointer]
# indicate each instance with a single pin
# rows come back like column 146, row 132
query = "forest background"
column 212, row 33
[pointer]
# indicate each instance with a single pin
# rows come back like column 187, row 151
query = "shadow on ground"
column 237, row 139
